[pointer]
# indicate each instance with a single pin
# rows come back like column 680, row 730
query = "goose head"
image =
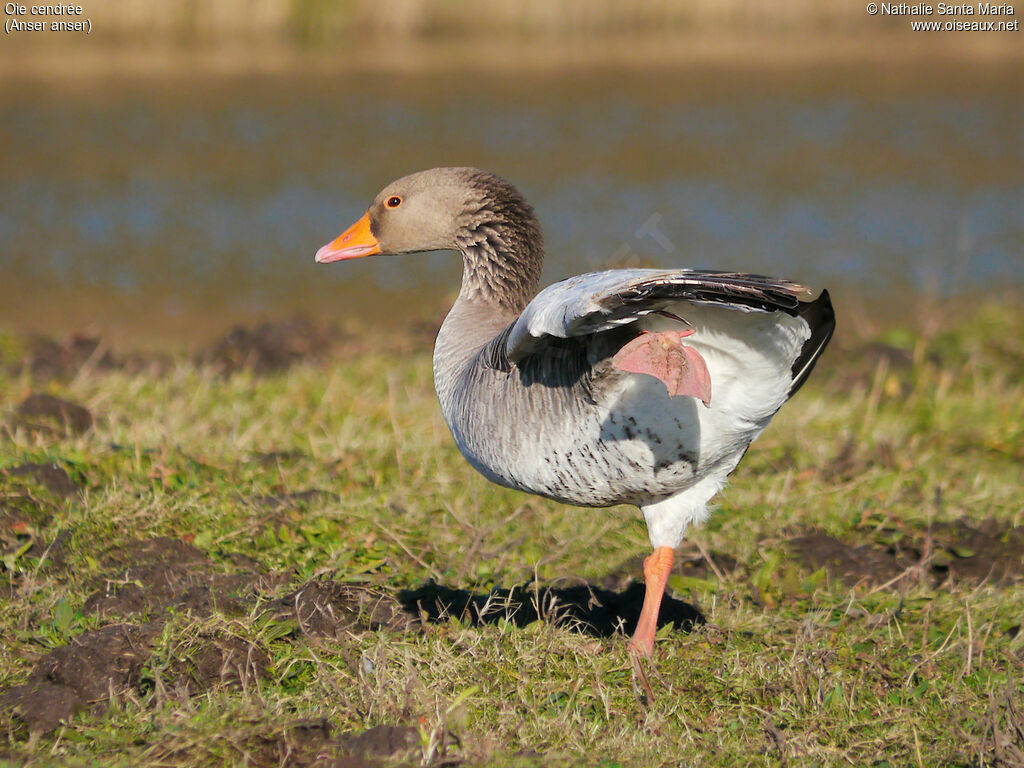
column 439, row 209
column 463, row 209
column 420, row 212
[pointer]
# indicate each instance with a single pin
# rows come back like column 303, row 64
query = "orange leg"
column 656, row 570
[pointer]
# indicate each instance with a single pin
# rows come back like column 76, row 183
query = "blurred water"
column 163, row 202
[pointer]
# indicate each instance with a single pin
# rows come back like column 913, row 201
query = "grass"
column 903, row 427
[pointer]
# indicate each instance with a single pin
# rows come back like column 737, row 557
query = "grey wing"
column 599, row 301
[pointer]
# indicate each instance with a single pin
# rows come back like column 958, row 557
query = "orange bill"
column 354, row 243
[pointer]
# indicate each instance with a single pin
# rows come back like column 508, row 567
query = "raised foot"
column 663, row 355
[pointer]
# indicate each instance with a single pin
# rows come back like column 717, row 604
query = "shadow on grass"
column 594, row 611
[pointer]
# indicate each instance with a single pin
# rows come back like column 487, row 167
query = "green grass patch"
column 345, row 472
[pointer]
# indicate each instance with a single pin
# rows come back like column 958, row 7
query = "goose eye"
column 393, row 202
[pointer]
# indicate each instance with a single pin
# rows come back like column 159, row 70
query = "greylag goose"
column 630, row 386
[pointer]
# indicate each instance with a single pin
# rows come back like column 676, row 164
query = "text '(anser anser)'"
column 630, row 386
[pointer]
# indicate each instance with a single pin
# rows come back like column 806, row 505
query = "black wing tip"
column 821, row 317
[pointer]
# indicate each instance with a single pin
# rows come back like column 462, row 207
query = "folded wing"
column 599, row 301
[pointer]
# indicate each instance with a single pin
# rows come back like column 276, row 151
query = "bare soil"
column 313, row 743
column 147, row 578
column 31, row 494
column 956, row 551
column 271, row 347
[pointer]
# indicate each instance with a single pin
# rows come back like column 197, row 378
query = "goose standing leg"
column 656, row 571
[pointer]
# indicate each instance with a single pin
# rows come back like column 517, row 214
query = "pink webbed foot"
column 663, row 355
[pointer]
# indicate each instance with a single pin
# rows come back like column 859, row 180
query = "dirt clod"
column 381, row 741
column 41, row 706
column 217, row 660
column 150, row 576
column 84, row 673
column 332, row 608
column 21, row 519
column 269, row 347
column 850, row 564
column 100, row 661
column 42, row 412
column 50, row 476
column 309, row 743
column 298, row 744
column 158, row 549
column 20, row 515
column 958, row 551
column 50, row 359
column 53, row 554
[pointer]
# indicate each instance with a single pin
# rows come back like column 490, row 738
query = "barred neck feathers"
column 501, row 244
